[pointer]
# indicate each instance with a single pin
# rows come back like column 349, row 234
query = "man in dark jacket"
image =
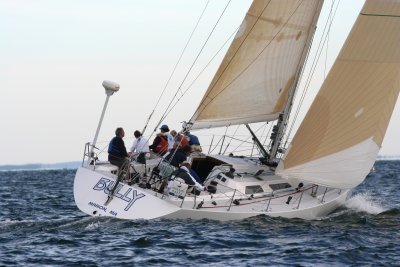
column 117, row 154
column 177, row 156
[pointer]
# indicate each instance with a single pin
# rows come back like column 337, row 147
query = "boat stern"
column 92, row 189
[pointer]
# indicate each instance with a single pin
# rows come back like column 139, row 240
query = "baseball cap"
column 165, row 128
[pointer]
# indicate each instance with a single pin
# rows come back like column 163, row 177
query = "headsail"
column 339, row 139
column 253, row 80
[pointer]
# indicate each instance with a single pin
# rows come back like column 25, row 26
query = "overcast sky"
column 55, row 54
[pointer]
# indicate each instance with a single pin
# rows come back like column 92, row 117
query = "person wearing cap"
column 162, row 143
column 184, row 173
column 165, row 131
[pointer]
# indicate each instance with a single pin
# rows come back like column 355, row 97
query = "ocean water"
column 41, row 226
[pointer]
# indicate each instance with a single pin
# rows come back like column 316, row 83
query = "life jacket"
column 182, row 140
column 162, row 146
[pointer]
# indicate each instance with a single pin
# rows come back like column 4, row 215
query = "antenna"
column 111, row 88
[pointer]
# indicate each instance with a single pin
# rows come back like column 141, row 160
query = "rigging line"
column 242, row 151
column 326, row 55
column 212, row 140
column 237, row 139
column 262, row 134
column 226, row 148
column 194, row 62
column 246, row 140
column 268, row 133
column 313, row 65
column 211, row 151
column 327, row 45
column 201, row 72
column 101, row 150
column 227, row 65
column 176, row 64
column 223, row 139
column 147, row 122
column 237, row 128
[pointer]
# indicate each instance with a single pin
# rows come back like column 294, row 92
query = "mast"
column 278, row 130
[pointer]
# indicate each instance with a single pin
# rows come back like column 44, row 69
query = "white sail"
column 260, row 67
column 339, row 139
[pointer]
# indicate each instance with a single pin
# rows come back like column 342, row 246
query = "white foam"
column 8, row 222
column 365, row 203
column 93, row 225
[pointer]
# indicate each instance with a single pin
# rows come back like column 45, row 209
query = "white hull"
column 91, row 190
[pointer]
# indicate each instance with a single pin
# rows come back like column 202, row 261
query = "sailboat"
column 332, row 151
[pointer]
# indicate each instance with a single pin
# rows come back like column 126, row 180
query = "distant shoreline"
column 397, row 157
column 41, row 166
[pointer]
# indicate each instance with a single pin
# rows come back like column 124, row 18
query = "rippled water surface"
column 41, row 226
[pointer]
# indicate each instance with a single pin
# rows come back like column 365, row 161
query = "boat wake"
column 364, row 202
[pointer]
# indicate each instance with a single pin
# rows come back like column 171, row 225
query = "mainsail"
column 260, row 67
column 338, row 141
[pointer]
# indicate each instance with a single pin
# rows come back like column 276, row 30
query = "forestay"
column 338, row 141
column 260, row 67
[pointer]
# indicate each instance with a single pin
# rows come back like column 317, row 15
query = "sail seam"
column 371, row 61
column 380, row 15
column 198, row 111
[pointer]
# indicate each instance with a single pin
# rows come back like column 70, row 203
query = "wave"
column 47, row 225
column 393, row 211
column 363, row 202
column 93, row 225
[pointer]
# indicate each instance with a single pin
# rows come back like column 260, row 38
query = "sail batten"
column 350, row 114
column 259, row 69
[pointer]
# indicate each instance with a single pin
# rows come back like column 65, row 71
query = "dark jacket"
column 117, row 149
column 176, row 157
